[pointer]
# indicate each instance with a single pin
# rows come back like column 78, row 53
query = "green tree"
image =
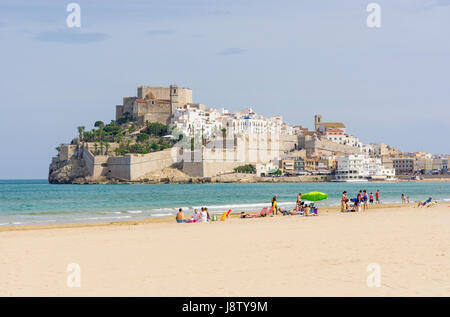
column 81, row 131
column 99, row 124
column 155, row 146
column 249, row 168
column 156, row 128
column 142, row 137
column 224, row 137
column 164, row 146
column 278, row 172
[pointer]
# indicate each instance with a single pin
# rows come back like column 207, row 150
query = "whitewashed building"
column 195, row 120
column 354, row 168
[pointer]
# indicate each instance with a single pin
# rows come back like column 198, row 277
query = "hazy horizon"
column 289, row 58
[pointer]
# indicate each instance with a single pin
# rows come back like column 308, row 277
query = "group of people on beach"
column 301, row 208
column 405, row 199
column 202, row 216
column 362, row 198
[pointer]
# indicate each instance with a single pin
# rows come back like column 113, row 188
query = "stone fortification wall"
column 152, row 111
column 213, row 159
column 314, row 144
column 127, row 167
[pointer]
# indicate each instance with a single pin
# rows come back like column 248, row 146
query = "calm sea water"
column 37, row 202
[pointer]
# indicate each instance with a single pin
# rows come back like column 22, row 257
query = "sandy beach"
column 273, row 256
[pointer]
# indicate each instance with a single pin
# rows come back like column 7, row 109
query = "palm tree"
column 101, row 147
column 81, row 131
column 224, row 136
column 95, row 148
column 107, row 147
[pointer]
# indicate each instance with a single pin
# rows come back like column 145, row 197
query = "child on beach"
column 307, row 210
column 344, row 202
column 371, row 198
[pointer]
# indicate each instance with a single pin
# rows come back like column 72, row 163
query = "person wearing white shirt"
column 196, row 215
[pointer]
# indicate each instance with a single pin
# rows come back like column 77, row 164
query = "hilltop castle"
column 154, row 104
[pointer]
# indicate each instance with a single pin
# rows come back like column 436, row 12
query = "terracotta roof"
column 333, row 124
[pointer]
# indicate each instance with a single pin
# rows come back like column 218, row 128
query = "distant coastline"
column 249, row 179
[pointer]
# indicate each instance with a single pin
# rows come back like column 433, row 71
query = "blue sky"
column 293, row 58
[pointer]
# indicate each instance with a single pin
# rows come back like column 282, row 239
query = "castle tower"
column 317, row 122
column 174, row 98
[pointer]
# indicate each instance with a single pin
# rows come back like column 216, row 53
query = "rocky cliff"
column 67, row 169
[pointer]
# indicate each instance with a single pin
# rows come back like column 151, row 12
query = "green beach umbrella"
column 314, row 196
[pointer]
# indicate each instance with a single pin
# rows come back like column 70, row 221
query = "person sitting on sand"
column 422, row 204
column 203, row 215
column 195, row 215
column 180, row 216
column 285, row 212
column 307, row 210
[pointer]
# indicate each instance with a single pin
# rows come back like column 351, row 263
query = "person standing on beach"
column 371, row 198
column 377, row 196
column 359, row 200
column 365, row 199
column 299, row 202
column 403, row 198
column 344, row 201
column 274, row 205
column 208, row 215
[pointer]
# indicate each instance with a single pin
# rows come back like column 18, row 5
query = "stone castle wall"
column 127, row 167
column 314, row 144
column 152, row 112
column 253, row 149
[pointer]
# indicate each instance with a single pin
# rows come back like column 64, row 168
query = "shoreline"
column 242, row 180
column 165, row 220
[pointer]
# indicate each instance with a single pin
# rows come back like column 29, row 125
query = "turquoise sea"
column 38, row 202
